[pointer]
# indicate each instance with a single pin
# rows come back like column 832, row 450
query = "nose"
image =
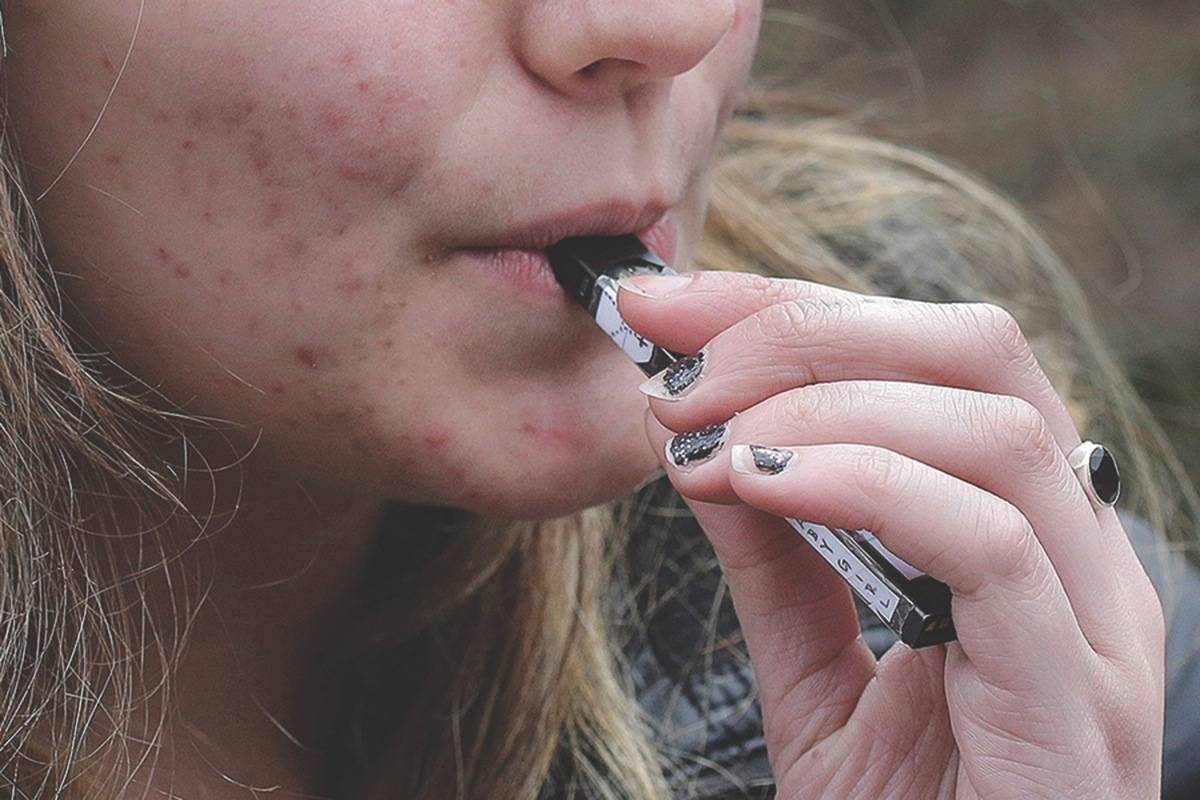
column 593, row 48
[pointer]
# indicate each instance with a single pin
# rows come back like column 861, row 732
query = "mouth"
column 518, row 256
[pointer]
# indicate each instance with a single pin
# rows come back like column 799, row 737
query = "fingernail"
column 672, row 381
column 753, row 459
column 694, row 447
column 656, row 286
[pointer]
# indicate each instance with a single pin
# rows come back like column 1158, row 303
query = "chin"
column 554, row 485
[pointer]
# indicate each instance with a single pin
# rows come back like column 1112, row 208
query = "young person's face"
column 268, row 220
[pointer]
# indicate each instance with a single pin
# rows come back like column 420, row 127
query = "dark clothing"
column 693, row 677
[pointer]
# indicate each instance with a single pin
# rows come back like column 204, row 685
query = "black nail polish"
column 770, row 460
column 698, row 445
column 683, row 373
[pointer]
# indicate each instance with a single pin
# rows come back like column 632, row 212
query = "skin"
column 263, row 225
column 933, row 426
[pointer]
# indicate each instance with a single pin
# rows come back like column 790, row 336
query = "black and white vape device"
column 913, row 605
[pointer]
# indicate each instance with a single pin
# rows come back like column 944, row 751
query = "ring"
column 1096, row 469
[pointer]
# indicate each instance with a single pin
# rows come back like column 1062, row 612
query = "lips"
column 527, row 269
column 610, row 218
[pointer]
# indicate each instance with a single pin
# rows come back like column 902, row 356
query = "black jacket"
column 698, row 687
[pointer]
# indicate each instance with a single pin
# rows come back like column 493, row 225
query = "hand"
column 933, row 426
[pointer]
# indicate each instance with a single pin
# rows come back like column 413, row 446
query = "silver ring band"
column 1096, row 469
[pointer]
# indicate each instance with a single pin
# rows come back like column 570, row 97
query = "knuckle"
column 764, row 291
column 1023, row 431
column 785, row 322
column 1002, row 333
column 1010, row 546
column 884, row 476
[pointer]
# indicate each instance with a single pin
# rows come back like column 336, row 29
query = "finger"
column 996, row 442
column 1008, row 603
column 815, row 337
column 797, row 616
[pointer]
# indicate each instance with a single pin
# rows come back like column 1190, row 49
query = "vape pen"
column 912, row 604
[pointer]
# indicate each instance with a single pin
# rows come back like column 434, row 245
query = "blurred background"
column 1087, row 113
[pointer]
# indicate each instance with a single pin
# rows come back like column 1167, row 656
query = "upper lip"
column 609, row 218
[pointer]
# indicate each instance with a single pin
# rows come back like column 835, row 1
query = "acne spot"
column 183, row 270
column 187, row 144
column 349, row 286
column 348, row 58
column 225, row 277
column 555, row 434
column 437, row 437
column 306, row 357
column 363, row 87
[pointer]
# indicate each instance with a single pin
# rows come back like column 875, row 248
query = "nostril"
column 604, row 64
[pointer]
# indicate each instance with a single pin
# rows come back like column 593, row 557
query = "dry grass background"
column 1085, row 111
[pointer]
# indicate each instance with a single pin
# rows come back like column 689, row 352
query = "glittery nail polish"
column 675, row 379
column 770, row 460
column 692, row 447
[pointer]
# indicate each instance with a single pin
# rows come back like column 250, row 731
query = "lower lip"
column 529, row 270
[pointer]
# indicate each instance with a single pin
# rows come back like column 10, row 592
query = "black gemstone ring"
column 1097, row 471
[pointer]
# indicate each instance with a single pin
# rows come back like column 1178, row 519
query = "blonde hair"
column 539, row 698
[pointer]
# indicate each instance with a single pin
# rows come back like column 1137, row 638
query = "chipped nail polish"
column 685, row 449
column 754, row 459
column 675, row 379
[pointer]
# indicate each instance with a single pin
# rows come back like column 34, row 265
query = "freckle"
column 529, row 428
column 161, row 116
column 208, row 216
column 82, row 117
column 256, row 322
column 277, row 388
column 225, row 277
column 187, row 144
column 163, row 256
column 113, row 159
column 363, row 86
column 349, row 286
column 183, row 270
column 212, row 179
column 389, row 342
column 341, row 230
column 107, row 63
column 347, row 58
column 291, row 422
column 306, row 357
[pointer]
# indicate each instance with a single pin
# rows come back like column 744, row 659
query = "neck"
column 280, row 575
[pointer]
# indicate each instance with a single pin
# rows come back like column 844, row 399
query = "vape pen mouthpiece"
column 588, row 267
